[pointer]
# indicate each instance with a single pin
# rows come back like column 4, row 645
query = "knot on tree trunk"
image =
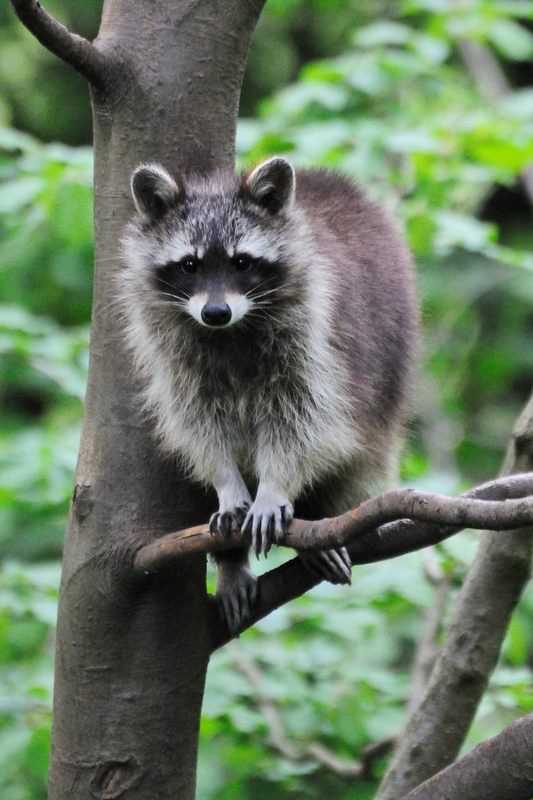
column 115, row 776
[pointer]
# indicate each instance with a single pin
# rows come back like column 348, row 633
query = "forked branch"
column 74, row 49
column 390, row 524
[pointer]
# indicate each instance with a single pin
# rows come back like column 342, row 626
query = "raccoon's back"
column 371, row 281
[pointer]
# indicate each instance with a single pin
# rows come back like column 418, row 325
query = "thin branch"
column 276, row 731
column 485, row 70
column 490, row 78
column 368, row 528
column 427, row 650
column 74, row 49
column 498, row 769
column 435, row 509
column 435, row 732
column 347, row 769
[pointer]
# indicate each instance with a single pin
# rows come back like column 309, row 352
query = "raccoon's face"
column 219, row 285
column 215, row 251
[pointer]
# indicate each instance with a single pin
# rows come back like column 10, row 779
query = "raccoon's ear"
column 154, row 191
column 272, row 185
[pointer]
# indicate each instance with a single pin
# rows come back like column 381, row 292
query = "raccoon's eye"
column 243, row 262
column 189, row 265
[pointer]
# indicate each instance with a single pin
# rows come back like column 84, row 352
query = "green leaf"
column 383, row 32
column 14, row 195
column 517, row 8
column 516, row 644
column 37, row 754
column 519, row 104
column 511, row 39
column 17, row 141
column 413, row 141
column 459, row 230
column 420, row 231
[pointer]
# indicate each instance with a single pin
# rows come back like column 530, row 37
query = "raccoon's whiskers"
column 175, row 297
column 182, row 294
column 257, row 295
column 114, row 304
column 263, row 314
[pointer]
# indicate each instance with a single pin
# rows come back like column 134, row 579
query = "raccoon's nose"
column 216, row 314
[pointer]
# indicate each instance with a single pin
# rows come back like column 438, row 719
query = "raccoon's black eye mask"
column 173, row 279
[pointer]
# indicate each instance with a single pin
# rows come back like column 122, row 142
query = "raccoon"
column 272, row 318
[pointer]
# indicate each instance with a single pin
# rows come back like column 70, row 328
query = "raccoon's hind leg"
column 236, row 587
column 334, row 566
column 332, row 496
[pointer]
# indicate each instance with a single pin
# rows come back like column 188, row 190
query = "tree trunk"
column 132, row 653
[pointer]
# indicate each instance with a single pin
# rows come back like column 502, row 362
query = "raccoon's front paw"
column 236, row 592
column 334, row 566
column 266, row 524
column 222, row 522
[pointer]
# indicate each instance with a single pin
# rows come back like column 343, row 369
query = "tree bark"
column 498, row 769
column 132, row 653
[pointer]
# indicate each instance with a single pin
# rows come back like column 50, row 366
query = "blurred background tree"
column 381, row 90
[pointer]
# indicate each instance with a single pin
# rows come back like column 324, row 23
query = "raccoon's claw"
column 267, row 526
column 330, row 565
column 222, row 522
column 236, row 594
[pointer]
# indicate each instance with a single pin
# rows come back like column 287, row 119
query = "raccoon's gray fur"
column 272, row 318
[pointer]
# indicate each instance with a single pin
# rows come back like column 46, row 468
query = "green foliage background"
column 378, row 90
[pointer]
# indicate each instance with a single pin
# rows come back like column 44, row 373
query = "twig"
column 484, row 68
column 276, row 731
column 351, row 770
column 365, row 530
column 347, row 769
column 498, row 769
column 74, row 49
column 426, row 651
